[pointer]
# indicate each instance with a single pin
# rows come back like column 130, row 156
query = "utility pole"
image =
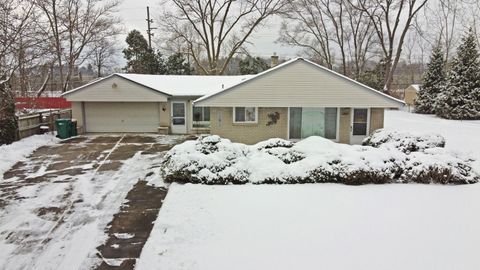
column 150, row 28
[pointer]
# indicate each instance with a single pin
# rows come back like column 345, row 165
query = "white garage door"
column 122, row 116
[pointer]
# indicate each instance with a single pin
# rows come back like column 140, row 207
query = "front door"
column 360, row 126
column 179, row 121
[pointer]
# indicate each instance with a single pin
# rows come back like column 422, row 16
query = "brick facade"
column 376, row 118
column 345, row 125
column 221, row 121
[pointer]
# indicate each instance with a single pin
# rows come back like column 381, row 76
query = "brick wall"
column 221, row 120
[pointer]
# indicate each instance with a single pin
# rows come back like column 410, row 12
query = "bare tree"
column 309, row 31
column 392, row 20
column 75, row 25
column 440, row 24
column 102, row 55
column 215, row 30
column 324, row 27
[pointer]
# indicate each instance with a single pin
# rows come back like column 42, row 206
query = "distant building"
column 411, row 93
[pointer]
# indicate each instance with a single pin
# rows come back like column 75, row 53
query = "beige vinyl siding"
column 77, row 113
column 221, row 121
column 125, row 90
column 299, row 84
column 122, row 116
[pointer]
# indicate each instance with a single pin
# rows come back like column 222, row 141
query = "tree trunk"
column 8, row 119
column 99, row 69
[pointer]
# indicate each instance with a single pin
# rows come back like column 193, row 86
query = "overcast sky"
column 134, row 13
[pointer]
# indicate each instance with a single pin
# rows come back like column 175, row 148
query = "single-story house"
column 411, row 94
column 293, row 100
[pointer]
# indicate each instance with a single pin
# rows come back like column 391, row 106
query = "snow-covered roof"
column 417, row 87
column 310, row 62
column 185, row 85
column 178, row 85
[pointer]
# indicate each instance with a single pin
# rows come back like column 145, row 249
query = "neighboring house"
column 411, row 93
column 293, row 100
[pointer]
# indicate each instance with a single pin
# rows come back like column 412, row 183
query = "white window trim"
column 245, row 122
column 337, row 139
column 179, row 129
column 184, row 114
column 353, row 137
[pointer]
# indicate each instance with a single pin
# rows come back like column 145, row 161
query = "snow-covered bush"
column 437, row 165
column 404, row 141
column 213, row 160
column 274, row 143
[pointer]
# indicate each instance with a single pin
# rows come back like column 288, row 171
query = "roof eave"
column 109, row 76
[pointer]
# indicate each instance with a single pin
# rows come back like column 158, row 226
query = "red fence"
column 41, row 103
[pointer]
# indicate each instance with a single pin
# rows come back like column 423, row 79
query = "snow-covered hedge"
column 213, row 160
column 404, row 141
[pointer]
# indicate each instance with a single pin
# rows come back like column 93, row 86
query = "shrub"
column 273, row 143
column 286, row 155
column 212, row 160
column 403, row 141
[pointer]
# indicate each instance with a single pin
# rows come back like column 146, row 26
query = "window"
column 360, row 119
column 245, row 114
column 331, row 123
column 201, row 116
column 306, row 122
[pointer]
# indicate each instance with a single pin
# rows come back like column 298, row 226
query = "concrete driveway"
column 83, row 203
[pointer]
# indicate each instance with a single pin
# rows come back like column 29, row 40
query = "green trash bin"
column 63, row 128
column 73, row 128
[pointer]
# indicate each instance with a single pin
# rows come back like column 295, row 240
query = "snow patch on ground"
column 124, row 235
column 12, row 153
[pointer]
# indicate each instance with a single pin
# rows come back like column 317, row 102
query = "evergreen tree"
column 374, row 78
column 140, row 58
column 433, row 83
column 252, row 65
column 177, row 65
column 460, row 98
column 8, row 119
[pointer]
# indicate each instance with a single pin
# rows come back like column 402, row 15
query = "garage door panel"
column 121, row 116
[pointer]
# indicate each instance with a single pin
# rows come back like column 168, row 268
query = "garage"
column 143, row 103
column 121, row 117
column 115, row 104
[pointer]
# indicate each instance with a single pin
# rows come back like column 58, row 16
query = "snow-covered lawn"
column 325, row 226
column 18, row 151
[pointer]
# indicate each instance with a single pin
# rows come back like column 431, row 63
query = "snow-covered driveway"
column 325, row 226
column 56, row 203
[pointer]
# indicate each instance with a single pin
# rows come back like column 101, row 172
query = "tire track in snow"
column 69, row 207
